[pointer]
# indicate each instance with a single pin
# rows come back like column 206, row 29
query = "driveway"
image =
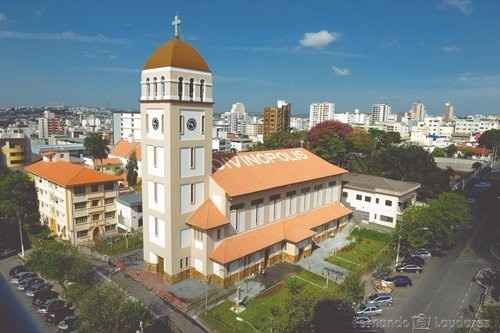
column 316, row 262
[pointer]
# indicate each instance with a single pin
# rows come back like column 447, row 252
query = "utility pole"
column 20, row 233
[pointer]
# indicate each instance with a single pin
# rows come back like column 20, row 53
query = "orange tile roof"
column 68, row 174
column 108, row 161
column 125, row 148
column 262, row 170
column 293, row 229
column 207, row 217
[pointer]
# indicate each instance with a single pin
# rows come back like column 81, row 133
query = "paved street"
column 15, row 307
column 440, row 295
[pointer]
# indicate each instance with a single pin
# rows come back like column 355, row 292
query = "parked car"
column 423, row 253
column 28, row 283
column 51, row 304
column 5, row 253
column 42, row 297
column 16, row 270
column 399, row 280
column 58, row 315
column 409, row 268
column 362, row 321
column 379, row 299
column 34, row 288
column 368, row 310
column 19, row 277
column 484, row 277
column 69, row 324
column 414, row 260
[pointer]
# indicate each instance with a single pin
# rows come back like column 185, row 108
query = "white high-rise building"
column 238, row 118
column 380, row 113
column 126, row 125
column 353, row 118
column 417, row 111
column 320, row 112
column 448, row 112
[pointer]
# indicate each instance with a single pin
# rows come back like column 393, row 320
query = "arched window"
column 148, row 88
column 202, row 90
column 155, row 87
column 162, row 86
column 180, row 88
column 191, row 88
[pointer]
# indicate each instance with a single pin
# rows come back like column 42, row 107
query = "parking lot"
column 440, row 297
column 24, row 314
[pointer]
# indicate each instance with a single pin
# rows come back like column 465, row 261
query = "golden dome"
column 176, row 53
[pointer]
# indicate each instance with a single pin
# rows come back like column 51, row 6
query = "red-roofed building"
column 77, row 203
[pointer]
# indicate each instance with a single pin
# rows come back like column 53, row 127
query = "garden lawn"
column 366, row 246
column 258, row 309
column 118, row 245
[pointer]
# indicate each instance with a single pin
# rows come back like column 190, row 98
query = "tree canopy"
column 132, row 171
column 96, row 147
column 490, row 139
column 332, row 313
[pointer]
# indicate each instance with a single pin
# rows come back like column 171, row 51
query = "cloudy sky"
column 353, row 53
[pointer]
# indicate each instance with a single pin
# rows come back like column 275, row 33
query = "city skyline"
column 342, row 55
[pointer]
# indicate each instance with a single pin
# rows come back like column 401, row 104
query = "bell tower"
column 176, row 109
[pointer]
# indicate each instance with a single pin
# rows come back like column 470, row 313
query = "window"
column 155, row 157
column 219, row 233
column 193, row 194
column 95, row 203
column 388, row 203
column 359, row 197
column 155, row 192
column 94, row 188
column 180, row 88
column 156, row 232
column 180, row 263
column 147, row 123
column 202, row 90
column 82, row 219
column 82, row 233
column 162, row 123
column 80, row 205
column 274, row 213
column 386, row 218
column 235, row 216
column 162, row 86
column 96, row 217
column 256, row 212
column 193, row 158
column 290, row 202
column 109, row 215
column 148, row 88
column 377, row 200
column 191, row 88
column 109, row 201
column 181, row 124
column 344, row 194
column 110, row 227
column 368, row 199
column 109, row 186
column 77, row 190
column 202, row 124
column 198, row 235
column 186, row 260
column 155, row 87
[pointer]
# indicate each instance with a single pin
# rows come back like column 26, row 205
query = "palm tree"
column 96, row 147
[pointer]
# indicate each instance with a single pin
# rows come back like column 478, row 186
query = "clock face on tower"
column 191, row 124
column 155, row 123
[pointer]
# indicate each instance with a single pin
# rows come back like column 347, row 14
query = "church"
column 221, row 218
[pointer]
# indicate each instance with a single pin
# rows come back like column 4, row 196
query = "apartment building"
column 378, row 200
column 77, row 203
column 319, row 112
column 379, row 113
column 15, row 150
column 126, row 125
column 277, row 118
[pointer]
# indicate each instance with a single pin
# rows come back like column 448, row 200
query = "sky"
column 353, row 53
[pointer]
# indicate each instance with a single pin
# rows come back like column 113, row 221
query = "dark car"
column 56, row 316
column 43, row 297
column 19, row 277
column 399, row 280
column 409, row 268
column 25, row 284
column 36, row 287
column 51, row 306
column 17, row 269
column 416, row 260
column 69, row 324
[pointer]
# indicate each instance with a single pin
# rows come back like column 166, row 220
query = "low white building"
column 129, row 208
column 376, row 199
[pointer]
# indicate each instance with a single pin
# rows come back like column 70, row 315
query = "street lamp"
column 399, row 243
column 20, row 233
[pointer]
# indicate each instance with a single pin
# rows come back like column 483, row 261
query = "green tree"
column 477, row 165
column 18, row 207
column 490, row 139
column 96, row 147
column 332, row 313
column 107, row 309
column 352, row 288
column 283, row 139
column 438, row 152
column 360, row 141
column 451, row 150
column 491, row 313
column 132, row 170
column 384, row 139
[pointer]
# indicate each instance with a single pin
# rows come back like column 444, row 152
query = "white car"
column 368, row 310
column 423, row 253
column 362, row 322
